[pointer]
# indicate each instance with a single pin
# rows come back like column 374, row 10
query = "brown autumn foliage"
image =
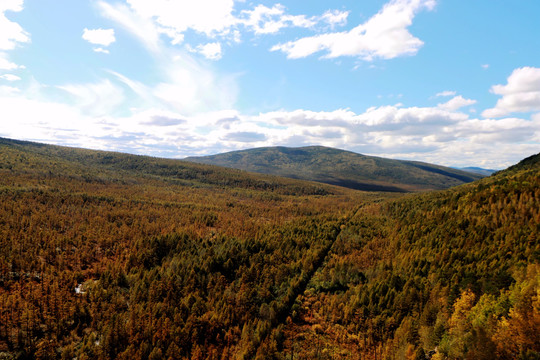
column 113, row 256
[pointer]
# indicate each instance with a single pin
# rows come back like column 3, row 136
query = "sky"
column 450, row 82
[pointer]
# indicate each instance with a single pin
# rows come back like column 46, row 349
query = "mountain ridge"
column 342, row 167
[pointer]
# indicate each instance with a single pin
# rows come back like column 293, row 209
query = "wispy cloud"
column 5, row 64
column 101, row 50
column 10, row 77
column 184, row 83
column 141, row 27
column 445, row 93
column 97, row 99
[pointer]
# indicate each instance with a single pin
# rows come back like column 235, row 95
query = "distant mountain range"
column 343, row 168
column 477, row 170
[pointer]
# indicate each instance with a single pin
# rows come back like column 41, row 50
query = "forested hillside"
column 450, row 275
column 343, row 168
column 106, row 255
column 114, row 256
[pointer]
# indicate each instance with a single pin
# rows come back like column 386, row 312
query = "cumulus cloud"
column 103, row 37
column 211, row 51
column 385, row 35
column 11, row 33
column 270, row 20
column 456, row 103
column 149, row 20
column 334, row 18
column 520, row 94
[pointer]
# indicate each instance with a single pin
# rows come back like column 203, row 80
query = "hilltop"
column 342, row 168
column 113, row 167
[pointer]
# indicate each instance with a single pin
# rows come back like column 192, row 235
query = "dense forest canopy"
column 113, row 256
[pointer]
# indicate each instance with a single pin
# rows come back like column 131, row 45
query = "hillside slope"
column 448, row 275
column 81, row 164
column 343, row 168
column 114, row 256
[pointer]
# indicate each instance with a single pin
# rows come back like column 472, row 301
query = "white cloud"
column 10, row 77
column 149, row 20
column 456, row 103
column 184, row 84
column 175, row 17
column 188, row 87
column 5, row 64
column 11, row 33
column 101, row 50
column 445, row 93
column 211, row 51
column 520, row 94
column 142, row 28
column 216, row 17
column 430, row 134
column 335, row 18
column 103, row 37
column 385, row 35
column 265, row 20
column 270, row 20
column 9, row 90
column 485, row 66
column 96, row 99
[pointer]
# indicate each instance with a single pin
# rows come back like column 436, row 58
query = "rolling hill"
column 342, row 168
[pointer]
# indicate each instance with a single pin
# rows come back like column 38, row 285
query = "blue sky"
column 444, row 81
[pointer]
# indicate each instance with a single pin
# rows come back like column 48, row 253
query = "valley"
column 115, row 256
